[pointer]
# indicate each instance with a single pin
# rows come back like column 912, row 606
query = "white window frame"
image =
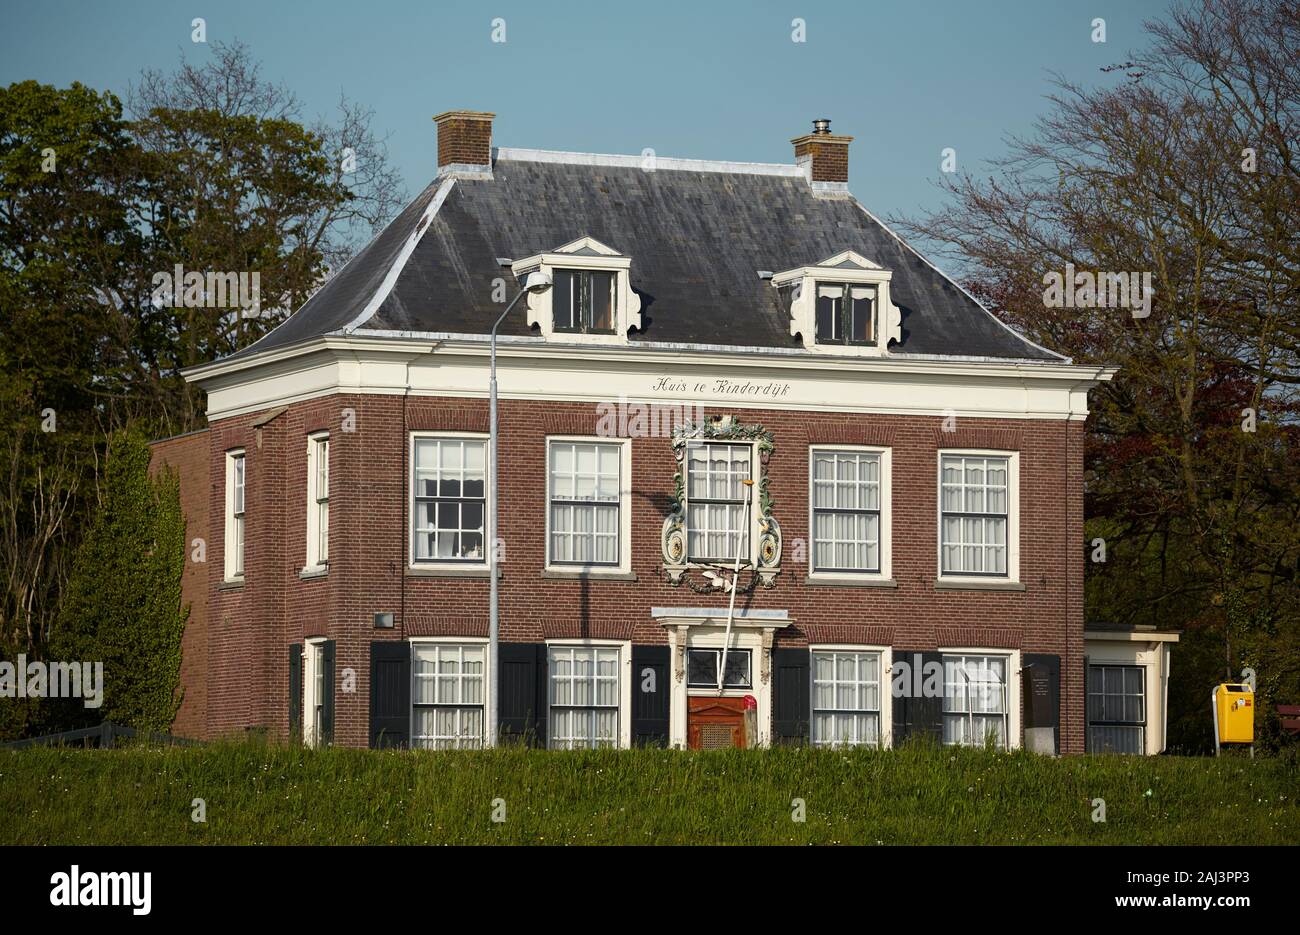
column 313, row 657
column 886, row 572
column 317, row 444
column 624, row 565
column 1012, row 575
column 624, row 648
column 487, row 679
column 845, row 268
column 1012, row 657
column 751, row 557
column 236, row 523
column 589, row 254
column 886, row 654
column 489, row 536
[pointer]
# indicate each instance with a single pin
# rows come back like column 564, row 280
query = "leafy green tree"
column 122, row 605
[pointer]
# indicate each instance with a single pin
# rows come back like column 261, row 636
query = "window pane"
column 562, row 300
column 861, row 323
column 828, row 318
column 602, row 302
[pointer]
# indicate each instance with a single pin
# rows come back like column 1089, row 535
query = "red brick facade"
column 236, row 668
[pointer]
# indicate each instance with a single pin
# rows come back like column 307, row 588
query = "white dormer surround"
column 864, row 280
column 583, row 254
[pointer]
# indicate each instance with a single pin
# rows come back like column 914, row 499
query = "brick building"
column 722, row 366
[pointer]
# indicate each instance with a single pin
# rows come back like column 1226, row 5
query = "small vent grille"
column 713, row 736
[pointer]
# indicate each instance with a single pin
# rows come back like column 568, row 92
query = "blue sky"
column 718, row 80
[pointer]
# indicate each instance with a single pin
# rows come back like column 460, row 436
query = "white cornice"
column 456, row 366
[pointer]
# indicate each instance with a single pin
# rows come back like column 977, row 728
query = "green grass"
column 260, row 794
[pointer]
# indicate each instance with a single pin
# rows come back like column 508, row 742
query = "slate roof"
column 697, row 238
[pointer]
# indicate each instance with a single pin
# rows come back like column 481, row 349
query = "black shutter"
column 916, row 715
column 650, row 708
column 791, row 697
column 295, row 692
column 390, row 693
column 521, row 708
column 1041, row 694
column 327, row 703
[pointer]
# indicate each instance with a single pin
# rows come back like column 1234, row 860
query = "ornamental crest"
column 762, row 563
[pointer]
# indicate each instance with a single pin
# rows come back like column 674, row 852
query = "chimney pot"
column 822, row 127
column 464, row 140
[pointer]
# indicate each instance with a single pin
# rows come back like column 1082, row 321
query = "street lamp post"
column 536, row 282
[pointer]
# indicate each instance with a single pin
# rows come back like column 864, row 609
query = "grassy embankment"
column 259, row 794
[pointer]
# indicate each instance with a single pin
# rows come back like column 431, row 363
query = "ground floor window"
column 447, row 695
column 846, row 698
column 584, row 696
column 1117, row 713
column 975, row 700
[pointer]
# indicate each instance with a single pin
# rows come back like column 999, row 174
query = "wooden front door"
column 715, row 722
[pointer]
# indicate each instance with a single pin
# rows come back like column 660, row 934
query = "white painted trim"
column 541, row 306
column 624, row 687
column 488, row 534
column 624, row 565
column 803, row 305
column 390, row 279
column 532, row 369
column 886, row 683
column 670, row 163
column 886, row 515
column 1013, row 517
column 1013, row 683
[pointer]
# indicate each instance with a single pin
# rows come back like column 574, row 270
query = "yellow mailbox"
column 1234, row 713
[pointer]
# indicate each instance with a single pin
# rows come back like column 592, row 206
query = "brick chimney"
column 464, row 140
column 824, row 156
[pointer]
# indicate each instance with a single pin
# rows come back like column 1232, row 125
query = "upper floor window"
column 234, row 539
column 848, row 499
column 976, row 515
column 590, row 299
column 718, row 475
column 583, row 301
column 845, row 314
column 449, row 499
column 841, row 305
column 585, row 508
column 318, row 501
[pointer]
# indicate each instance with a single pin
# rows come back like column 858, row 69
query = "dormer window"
column 846, row 314
column 591, row 300
column 583, row 301
column 841, row 305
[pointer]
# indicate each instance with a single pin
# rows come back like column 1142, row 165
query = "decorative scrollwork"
column 673, row 538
